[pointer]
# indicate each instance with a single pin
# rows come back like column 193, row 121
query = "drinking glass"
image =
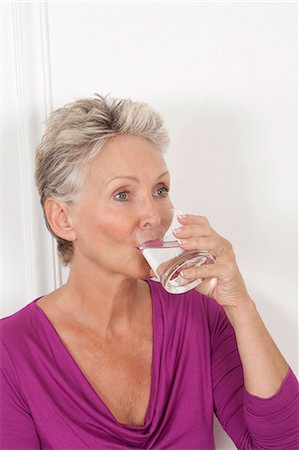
column 163, row 253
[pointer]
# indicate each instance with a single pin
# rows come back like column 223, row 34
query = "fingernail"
column 177, row 232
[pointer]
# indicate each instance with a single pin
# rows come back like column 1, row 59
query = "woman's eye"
column 122, row 196
column 162, row 191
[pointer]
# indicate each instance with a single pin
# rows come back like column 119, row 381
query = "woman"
column 110, row 360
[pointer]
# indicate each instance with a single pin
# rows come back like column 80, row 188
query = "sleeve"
column 251, row 422
column 17, row 429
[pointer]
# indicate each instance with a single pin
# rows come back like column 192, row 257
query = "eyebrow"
column 129, row 177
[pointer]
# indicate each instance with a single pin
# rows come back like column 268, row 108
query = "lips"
column 152, row 243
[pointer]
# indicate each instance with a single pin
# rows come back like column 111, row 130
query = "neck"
column 103, row 301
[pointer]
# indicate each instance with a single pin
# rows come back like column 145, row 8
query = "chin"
column 142, row 275
column 142, row 271
column 138, row 268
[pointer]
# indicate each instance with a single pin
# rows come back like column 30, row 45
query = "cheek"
column 117, row 228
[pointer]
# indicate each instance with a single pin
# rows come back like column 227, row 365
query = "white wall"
column 224, row 77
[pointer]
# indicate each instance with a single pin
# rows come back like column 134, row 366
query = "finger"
column 200, row 243
column 207, row 286
column 192, row 231
column 191, row 218
column 205, row 271
column 219, row 250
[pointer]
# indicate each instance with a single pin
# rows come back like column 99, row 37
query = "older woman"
column 110, row 360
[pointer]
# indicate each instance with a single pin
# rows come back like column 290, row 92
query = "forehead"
column 126, row 156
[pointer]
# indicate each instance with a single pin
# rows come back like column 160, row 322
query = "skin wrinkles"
column 129, row 177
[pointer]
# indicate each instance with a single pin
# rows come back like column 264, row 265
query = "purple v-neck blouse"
column 47, row 402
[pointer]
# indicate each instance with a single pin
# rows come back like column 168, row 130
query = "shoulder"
column 15, row 337
column 20, row 342
column 17, row 327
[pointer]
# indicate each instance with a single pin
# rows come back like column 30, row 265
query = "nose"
column 150, row 218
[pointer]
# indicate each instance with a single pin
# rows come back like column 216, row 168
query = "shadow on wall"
column 222, row 441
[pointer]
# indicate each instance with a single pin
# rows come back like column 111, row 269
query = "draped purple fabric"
column 47, row 402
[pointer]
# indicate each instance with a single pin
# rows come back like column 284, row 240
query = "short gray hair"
column 75, row 135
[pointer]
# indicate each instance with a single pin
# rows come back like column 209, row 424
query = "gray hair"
column 75, row 135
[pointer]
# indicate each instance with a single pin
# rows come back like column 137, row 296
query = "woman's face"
column 125, row 188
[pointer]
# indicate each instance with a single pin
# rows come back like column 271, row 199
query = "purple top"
column 196, row 371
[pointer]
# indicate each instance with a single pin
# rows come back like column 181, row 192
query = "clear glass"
column 163, row 253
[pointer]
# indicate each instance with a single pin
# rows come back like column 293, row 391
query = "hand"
column 222, row 279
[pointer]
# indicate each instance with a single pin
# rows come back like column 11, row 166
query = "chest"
column 119, row 371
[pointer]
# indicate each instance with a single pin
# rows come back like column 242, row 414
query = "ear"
column 59, row 219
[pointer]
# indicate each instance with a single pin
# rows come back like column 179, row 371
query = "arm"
column 263, row 365
column 263, row 368
column 252, row 422
column 17, row 430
